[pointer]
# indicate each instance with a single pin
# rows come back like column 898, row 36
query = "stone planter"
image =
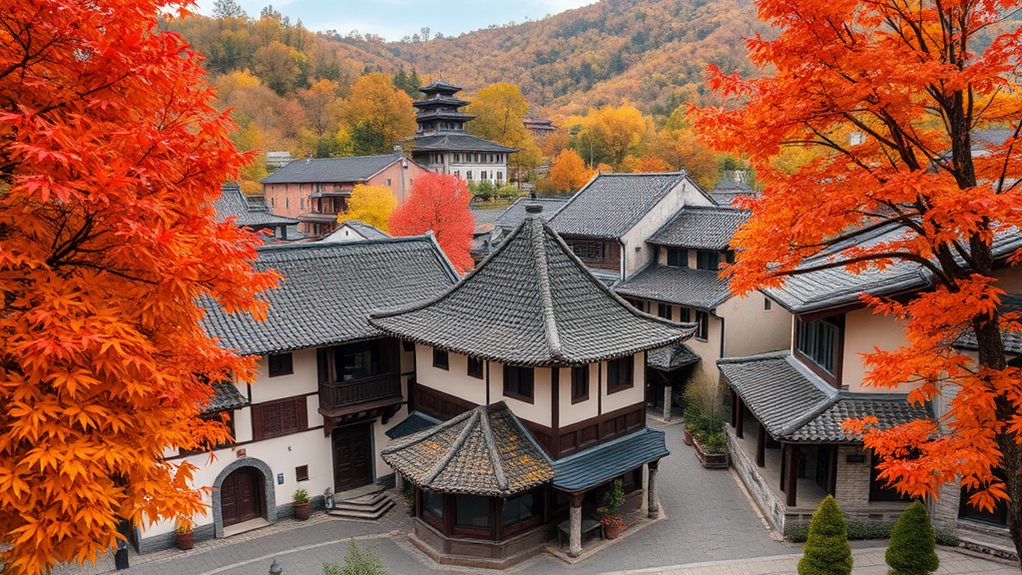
column 710, row 460
column 301, row 511
column 687, row 438
column 185, row 540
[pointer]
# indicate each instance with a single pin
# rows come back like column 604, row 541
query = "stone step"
column 366, row 514
column 374, row 505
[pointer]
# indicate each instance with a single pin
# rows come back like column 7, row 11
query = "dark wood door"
column 241, row 496
column 353, row 457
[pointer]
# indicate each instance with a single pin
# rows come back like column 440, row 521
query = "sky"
column 394, row 19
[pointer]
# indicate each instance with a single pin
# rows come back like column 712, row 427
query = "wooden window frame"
column 704, row 258
column 302, row 473
column 474, row 362
column 278, row 370
column 588, row 249
column 679, row 257
column 834, row 378
column 576, row 372
column 614, row 373
column 517, row 393
column 261, row 412
column 441, row 359
column 665, row 311
column 702, row 326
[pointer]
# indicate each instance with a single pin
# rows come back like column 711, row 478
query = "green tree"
column 826, row 551
column 911, row 550
column 357, row 561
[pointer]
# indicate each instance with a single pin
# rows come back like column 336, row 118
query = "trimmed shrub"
column 826, row 551
column 357, row 561
column 913, row 541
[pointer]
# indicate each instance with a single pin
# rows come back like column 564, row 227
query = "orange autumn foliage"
column 111, row 156
column 650, row 164
column 439, row 203
column 886, row 98
column 568, row 173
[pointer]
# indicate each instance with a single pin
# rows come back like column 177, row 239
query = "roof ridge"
column 553, row 339
column 318, row 244
column 491, row 452
column 779, row 354
column 453, row 449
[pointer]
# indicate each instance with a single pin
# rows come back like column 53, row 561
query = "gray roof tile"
column 532, row 302
column 485, row 451
column 598, row 465
column 702, row 289
column 701, row 227
column 515, row 214
column 329, row 289
column 671, row 357
column 1012, row 339
column 415, row 422
column 225, row 397
column 323, row 170
column 455, row 143
column 796, row 405
column 247, row 212
column 611, row 204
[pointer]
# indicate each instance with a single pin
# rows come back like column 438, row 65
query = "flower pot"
column 185, row 541
column 687, row 438
column 301, row 511
column 612, row 531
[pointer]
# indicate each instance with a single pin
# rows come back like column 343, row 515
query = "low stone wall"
column 769, row 504
column 478, row 553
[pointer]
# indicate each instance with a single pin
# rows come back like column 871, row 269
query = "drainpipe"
column 621, row 257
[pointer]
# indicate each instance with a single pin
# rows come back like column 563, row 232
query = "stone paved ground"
column 709, row 529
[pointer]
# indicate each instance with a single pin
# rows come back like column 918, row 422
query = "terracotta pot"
column 301, row 511
column 185, row 541
column 612, row 531
column 687, row 438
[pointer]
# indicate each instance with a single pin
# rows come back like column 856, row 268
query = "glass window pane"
column 472, row 511
column 433, row 504
column 521, row 508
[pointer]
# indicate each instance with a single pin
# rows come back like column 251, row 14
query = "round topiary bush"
column 911, row 550
column 826, row 551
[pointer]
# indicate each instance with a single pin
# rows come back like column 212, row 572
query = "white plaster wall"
column 304, row 379
column 751, row 329
column 568, row 413
column 625, row 397
column 636, row 252
column 864, row 331
column 454, row 381
column 540, row 410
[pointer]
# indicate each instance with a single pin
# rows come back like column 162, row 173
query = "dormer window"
column 677, row 257
column 818, row 344
column 707, row 260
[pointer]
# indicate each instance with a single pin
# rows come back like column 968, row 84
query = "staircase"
column 367, row 503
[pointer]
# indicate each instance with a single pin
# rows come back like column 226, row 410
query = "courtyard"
column 708, row 528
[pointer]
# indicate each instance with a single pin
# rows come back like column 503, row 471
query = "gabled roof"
column 837, row 287
column 415, row 422
column 456, row 143
column 611, row 204
column 225, row 397
column 795, row 405
column 515, row 214
column 247, row 212
column 671, row 357
column 702, row 289
column 701, row 228
column 361, row 228
column 485, row 451
column 328, row 290
column 532, row 302
column 352, row 169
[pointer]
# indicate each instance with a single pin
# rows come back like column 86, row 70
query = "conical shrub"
column 826, row 550
column 911, row 550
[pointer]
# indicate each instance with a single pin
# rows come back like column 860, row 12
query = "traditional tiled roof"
column 247, row 212
column 795, row 405
column 331, row 170
column 439, row 85
column 328, row 290
column 361, row 228
column 485, row 451
column 702, row 289
column 455, row 143
column 1012, row 339
column 225, row 397
column 598, row 465
column 611, row 204
column 671, row 357
column 532, row 302
column 836, row 287
column 414, row 423
column 701, row 228
column 731, row 186
column 515, row 214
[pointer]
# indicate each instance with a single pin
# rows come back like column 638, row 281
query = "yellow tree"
column 370, row 204
column 377, row 115
column 568, row 172
column 499, row 111
column 609, row 134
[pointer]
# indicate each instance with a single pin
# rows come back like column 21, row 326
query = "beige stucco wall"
column 453, row 381
column 573, row 413
column 625, row 397
column 636, row 251
column 863, row 331
column 749, row 328
column 540, row 410
column 304, row 379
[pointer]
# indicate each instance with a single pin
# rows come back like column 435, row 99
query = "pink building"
column 316, row 190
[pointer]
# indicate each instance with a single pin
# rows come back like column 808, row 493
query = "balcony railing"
column 342, row 393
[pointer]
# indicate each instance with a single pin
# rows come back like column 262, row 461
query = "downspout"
column 621, row 258
column 721, row 336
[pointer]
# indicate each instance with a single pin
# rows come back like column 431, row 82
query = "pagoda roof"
column 442, row 114
column 439, row 85
column 440, row 100
column 456, row 143
column 532, row 302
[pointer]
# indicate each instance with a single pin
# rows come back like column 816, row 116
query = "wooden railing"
column 341, row 393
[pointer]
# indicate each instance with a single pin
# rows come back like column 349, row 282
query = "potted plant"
column 185, row 535
column 613, row 500
column 711, row 449
column 301, row 501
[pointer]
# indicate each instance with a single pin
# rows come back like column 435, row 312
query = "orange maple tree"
column 439, row 203
column 110, row 158
column 890, row 97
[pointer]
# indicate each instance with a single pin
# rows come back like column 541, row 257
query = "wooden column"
column 575, row 526
column 667, row 403
column 739, row 418
column 790, row 473
column 761, row 446
column 652, row 503
column 734, row 408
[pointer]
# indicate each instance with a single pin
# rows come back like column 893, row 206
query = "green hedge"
column 798, row 532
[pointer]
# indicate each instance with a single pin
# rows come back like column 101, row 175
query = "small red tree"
column 111, row 157
column 439, row 204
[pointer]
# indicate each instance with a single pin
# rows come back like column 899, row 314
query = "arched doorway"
column 241, row 496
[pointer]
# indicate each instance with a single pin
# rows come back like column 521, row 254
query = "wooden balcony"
column 348, row 393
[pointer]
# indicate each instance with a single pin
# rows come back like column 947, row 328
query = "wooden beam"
column 739, row 418
column 791, row 474
column 761, row 446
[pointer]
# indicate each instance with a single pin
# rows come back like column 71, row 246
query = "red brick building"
column 316, row 190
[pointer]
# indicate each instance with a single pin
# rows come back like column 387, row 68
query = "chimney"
column 533, row 208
